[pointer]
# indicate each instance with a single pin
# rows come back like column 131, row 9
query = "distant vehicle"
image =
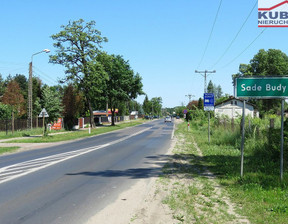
column 177, row 117
column 168, row 119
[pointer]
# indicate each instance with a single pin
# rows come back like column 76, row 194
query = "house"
column 233, row 107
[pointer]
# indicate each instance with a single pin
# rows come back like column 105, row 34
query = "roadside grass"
column 25, row 133
column 195, row 196
column 76, row 134
column 7, row 149
column 260, row 194
column 192, row 192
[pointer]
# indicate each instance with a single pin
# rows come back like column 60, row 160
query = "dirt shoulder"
column 186, row 193
column 141, row 204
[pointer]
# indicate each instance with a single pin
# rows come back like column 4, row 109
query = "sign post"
column 263, row 88
column 282, row 139
column 208, row 106
column 43, row 114
column 243, row 138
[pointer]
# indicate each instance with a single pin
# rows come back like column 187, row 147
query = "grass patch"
column 76, row 134
column 7, row 149
column 197, row 197
column 25, row 133
column 263, row 198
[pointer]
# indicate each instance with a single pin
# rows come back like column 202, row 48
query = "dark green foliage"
column 200, row 104
column 77, row 46
column 5, row 111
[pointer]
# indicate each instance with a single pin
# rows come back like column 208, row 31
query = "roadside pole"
column 208, row 106
column 263, row 88
column 43, row 114
column 209, row 127
column 282, row 139
column 243, row 137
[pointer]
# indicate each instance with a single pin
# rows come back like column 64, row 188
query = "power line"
column 39, row 72
column 205, row 77
column 210, row 34
column 244, row 49
column 237, row 34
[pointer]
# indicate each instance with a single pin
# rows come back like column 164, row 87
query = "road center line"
column 29, row 166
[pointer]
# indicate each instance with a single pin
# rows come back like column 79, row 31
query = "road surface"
column 69, row 183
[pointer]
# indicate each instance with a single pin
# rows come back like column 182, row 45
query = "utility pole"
column 30, row 109
column 190, row 97
column 205, row 77
column 30, row 91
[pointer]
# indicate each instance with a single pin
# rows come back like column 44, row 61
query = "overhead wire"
column 211, row 32
column 237, row 34
column 245, row 48
column 9, row 67
column 44, row 75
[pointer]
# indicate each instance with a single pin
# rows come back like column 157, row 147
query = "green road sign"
column 266, row 87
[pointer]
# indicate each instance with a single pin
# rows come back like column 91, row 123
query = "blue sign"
column 208, row 101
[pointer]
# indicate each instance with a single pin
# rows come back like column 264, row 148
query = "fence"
column 19, row 124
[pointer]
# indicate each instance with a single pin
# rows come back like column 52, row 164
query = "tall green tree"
column 5, row 112
column 52, row 103
column 210, row 87
column 216, row 90
column 135, row 106
column 15, row 99
column 36, row 95
column 156, row 105
column 23, row 84
column 72, row 106
column 2, row 86
column 147, row 107
column 200, row 104
column 122, row 84
column 77, row 46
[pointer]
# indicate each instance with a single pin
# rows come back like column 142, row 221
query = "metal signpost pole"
column 43, row 114
column 208, row 106
column 209, row 127
column 243, row 138
column 264, row 88
column 282, row 139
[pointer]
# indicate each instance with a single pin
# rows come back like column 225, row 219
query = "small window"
column 231, row 102
column 235, row 102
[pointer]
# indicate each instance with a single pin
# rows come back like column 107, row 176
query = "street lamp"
column 30, row 107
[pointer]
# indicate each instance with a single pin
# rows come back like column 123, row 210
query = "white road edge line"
column 83, row 151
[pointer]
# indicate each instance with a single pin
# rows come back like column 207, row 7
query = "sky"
column 165, row 41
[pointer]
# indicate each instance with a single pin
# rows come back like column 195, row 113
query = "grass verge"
column 76, row 134
column 25, row 133
column 260, row 194
column 7, row 149
column 197, row 196
column 192, row 192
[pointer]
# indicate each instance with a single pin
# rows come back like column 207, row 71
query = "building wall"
column 233, row 109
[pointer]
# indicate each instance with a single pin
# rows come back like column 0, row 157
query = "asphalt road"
column 69, row 183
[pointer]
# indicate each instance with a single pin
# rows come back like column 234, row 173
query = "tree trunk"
column 12, row 121
column 92, row 123
column 113, row 115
